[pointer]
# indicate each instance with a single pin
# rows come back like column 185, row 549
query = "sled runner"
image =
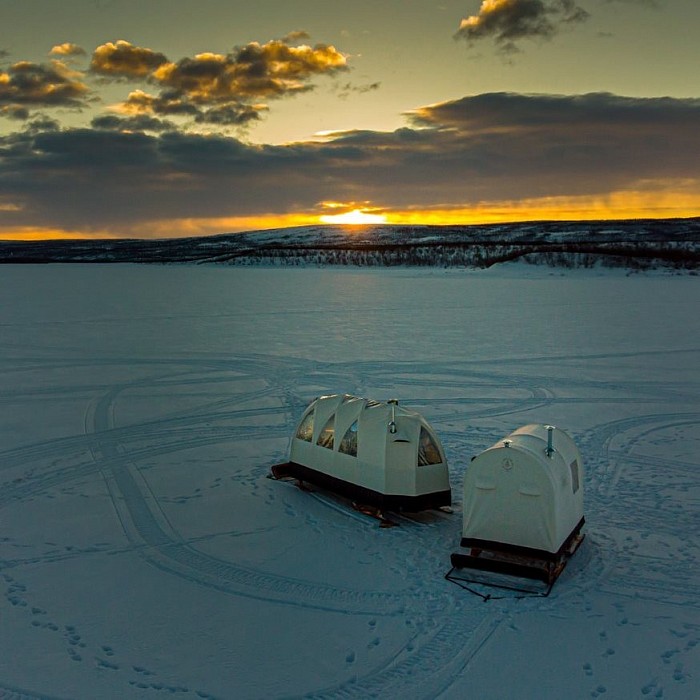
column 520, row 569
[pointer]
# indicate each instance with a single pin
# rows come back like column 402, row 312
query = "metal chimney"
column 550, row 441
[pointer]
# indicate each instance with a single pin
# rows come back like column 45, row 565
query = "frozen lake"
column 144, row 554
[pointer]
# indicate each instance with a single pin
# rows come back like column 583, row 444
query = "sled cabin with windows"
column 376, row 453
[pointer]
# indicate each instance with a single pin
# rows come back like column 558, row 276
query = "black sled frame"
column 516, row 569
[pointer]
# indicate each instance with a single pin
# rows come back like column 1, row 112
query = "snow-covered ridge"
column 637, row 244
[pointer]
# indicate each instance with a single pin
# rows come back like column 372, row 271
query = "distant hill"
column 634, row 244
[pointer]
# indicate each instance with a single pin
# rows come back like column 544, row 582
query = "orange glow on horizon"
column 356, row 217
column 683, row 201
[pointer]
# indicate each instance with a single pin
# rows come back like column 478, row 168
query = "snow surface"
column 144, row 553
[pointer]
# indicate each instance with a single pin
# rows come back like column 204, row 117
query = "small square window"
column 574, row 476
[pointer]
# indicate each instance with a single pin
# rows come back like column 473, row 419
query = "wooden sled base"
column 525, row 571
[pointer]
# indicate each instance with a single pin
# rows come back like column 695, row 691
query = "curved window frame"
column 326, row 437
column 348, row 445
column 428, row 450
column 305, row 431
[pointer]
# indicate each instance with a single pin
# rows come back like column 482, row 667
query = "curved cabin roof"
column 364, row 428
column 374, row 452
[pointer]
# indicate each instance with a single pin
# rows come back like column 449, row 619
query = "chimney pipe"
column 550, row 441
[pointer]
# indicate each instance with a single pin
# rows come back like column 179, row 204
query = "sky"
column 124, row 118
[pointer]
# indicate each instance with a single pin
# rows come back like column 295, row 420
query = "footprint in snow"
column 678, row 674
column 103, row 663
column 668, row 655
column 143, row 671
column 650, row 687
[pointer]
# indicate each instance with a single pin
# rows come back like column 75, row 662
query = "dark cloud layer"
column 509, row 21
column 484, row 148
column 140, row 122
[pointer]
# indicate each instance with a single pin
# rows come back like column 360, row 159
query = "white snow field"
column 144, row 553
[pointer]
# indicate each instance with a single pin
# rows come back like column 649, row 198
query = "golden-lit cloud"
column 509, row 21
column 67, row 49
column 122, row 59
column 215, row 88
column 51, row 84
column 251, row 71
column 140, row 102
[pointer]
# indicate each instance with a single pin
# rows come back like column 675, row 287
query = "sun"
column 356, row 217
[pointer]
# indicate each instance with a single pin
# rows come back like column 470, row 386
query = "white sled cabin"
column 379, row 454
column 525, row 494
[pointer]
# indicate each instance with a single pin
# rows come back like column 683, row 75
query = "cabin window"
column 428, row 451
column 348, row 445
column 574, row 475
column 326, row 438
column 306, row 429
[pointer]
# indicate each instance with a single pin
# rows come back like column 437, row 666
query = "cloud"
column 255, row 70
column 344, row 91
column 42, row 85
column 231, row 114
column 491, row 147
column 15, row 112
column 172, row 103
column 124, row 60
column 214, row 88
column 509, row 21
column 67, row 49
column 139, row 122
column 140, row 102
column 295, row 37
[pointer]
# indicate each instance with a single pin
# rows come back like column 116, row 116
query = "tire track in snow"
column 635, row 572
column 452, row 642
column 436, row 662
column 12, row 693
column 32, row 485
column 144, row 522
column 598, row 442
column 392, row 677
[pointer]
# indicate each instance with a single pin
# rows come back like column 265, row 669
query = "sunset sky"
column 127, row 118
